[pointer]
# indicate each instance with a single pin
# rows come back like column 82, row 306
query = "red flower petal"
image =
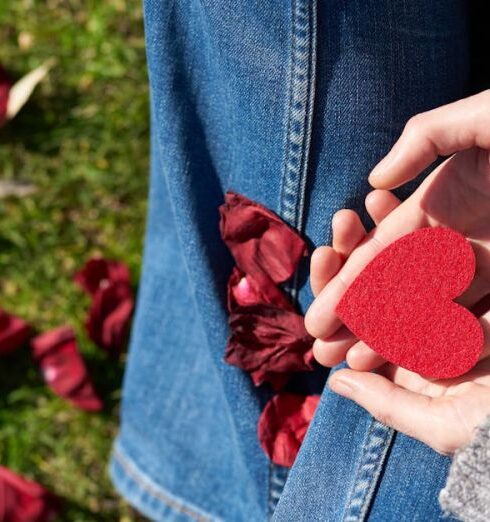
column 259, row 240
column 64, row 369
column 277, row 380
column 110, row 315
column 283, row 424
column 99, row 272
column 5, row 85
column 14, row 332
column 266, row 340
column 23, row 500
column 246, row 290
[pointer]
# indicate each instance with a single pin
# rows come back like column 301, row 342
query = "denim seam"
column 300, row 112
column 296, row 150
column 373, row 455
column 300, row 116
column 157, row 492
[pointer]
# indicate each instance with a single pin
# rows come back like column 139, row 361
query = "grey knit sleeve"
column 467, row 491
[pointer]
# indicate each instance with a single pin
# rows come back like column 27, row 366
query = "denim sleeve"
column 467, row 491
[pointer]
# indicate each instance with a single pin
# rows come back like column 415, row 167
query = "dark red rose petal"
column 14, row 332
column 116, row 325
column 110, row 315
column 5, row 85
column 246, row 290
column 266, row 340
column 283, row 424
column 277, row 380
column 64, row 369
column 99, row 272
column 259, row 240
column 23, row 500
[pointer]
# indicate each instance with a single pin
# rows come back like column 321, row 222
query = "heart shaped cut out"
column 401, row 305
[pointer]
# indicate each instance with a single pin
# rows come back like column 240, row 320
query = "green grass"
column 82, row 140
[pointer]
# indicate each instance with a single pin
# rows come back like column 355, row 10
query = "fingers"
column 472, row 296
column 403, row 410
column 361, row 357
column 348, row 231
column 321, row 320
column 325, row 263
column 485, row 325
column 380, row 203
column 440, row 132
column 332, row 351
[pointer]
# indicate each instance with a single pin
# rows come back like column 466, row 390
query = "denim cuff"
column 467, row 491
column 148, row 497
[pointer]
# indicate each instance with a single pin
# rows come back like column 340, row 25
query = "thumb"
column 404, row 410
column 440, row 132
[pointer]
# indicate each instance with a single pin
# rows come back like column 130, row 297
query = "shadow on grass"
column 107, row 375
column 17, row 370
column 37, row 127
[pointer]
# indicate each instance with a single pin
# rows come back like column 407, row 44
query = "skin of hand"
column 443, row 414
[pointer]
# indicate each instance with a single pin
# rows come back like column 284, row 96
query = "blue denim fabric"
column 290, row 103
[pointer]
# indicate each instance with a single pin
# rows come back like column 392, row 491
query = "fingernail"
column 342, row 386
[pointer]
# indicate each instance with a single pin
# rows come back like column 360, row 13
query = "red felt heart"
column 401, row 305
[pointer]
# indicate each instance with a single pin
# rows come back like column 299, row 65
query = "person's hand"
column 442, row 414
column 456, row 194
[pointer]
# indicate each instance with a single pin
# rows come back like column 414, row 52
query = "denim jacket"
column 290, row 103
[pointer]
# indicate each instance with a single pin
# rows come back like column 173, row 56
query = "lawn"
column 82, row 141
